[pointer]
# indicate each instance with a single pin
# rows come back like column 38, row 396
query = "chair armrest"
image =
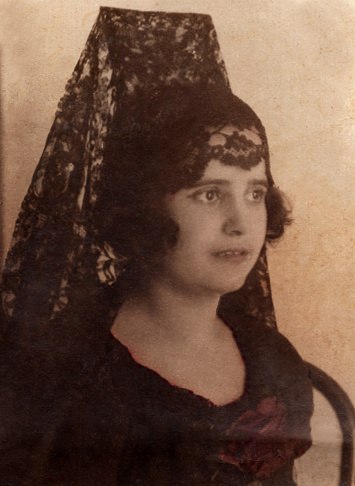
column 345, row 413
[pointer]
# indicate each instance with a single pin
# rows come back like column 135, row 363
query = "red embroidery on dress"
column 259, row 441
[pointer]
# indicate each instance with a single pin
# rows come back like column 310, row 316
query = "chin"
column 232, row 285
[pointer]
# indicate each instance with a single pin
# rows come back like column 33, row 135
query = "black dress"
column 126, row 425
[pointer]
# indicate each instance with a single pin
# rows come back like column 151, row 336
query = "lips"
column 232, row 254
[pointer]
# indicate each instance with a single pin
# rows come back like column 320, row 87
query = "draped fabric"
column 51, row 252
column 63, row 413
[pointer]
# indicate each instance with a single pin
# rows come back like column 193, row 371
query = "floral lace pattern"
column 238, row 148
column 125, row 50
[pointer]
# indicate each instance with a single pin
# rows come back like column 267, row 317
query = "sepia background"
column 291, row 61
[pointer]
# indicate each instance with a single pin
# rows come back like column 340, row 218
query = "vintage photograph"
column 177, row 243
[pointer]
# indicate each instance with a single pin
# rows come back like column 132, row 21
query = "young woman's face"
column 222, row 227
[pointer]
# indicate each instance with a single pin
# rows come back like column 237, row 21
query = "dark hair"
column 151, row 137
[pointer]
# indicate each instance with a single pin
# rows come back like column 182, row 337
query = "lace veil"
column 50, row 253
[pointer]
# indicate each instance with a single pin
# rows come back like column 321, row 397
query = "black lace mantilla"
column 240, row 147
column 126, row 50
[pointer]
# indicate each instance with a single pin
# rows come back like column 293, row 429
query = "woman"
column 163, row 367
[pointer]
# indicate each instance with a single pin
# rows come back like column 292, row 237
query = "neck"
column 164, row 310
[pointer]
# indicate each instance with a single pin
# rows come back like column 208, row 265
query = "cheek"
column 260, row 226
column 195, row 225
column 200, row 234
column 189, row 239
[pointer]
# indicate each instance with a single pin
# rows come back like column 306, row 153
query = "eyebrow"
column 252, row 182
column 259, row 182
column 206, row 182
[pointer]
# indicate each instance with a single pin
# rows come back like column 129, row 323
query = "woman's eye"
column 257, row 195
column 208, row 196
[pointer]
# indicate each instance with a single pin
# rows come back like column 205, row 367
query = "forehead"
column 216, row 170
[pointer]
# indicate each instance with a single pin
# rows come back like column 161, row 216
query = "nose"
column 235, row 220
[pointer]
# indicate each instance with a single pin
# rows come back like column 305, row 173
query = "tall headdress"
column 126, row 50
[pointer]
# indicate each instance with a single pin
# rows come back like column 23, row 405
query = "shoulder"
column 276, row 361
column 266, row 343
column 272, row 346
column 280, row 387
